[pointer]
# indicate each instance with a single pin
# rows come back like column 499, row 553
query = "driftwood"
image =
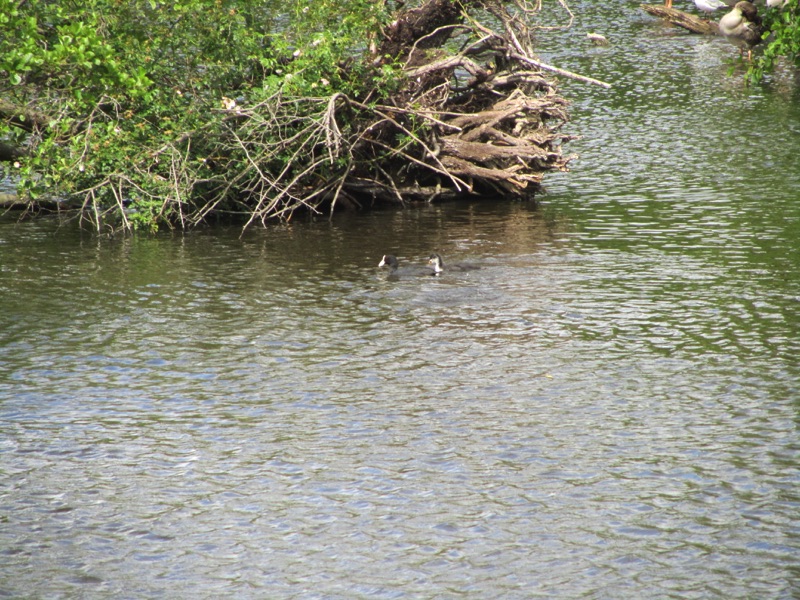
column 9, row 200
column 682, row 19
column 484, row 120
column 491, row 117
column 507, row 143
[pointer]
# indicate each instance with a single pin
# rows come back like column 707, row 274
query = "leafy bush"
column 144, row 114
column 129, row 100
column 782, row 27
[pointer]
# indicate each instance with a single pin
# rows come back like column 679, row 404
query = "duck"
column 742, row 27
column 777, row 3
column 390, row 261
column 438, row 265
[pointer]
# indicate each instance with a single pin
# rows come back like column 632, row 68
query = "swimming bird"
column 742, row 27
column 390, row 261
column 438, row 265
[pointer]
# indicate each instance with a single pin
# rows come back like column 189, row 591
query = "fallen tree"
column 682, row 19
column 447, row 100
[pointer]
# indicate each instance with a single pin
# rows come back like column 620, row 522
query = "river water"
column 607, row 408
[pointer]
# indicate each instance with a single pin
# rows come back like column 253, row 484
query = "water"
column 608, row 408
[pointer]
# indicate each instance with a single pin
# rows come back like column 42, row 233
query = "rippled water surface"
column 607, row 408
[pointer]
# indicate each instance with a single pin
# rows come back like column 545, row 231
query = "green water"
column 607, row 408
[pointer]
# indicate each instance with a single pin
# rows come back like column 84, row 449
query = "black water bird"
column 439, row 266
column 395, row 270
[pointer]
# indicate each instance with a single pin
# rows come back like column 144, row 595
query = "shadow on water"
column 608, row 407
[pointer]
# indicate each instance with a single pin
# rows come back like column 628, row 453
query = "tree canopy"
column 782, row 33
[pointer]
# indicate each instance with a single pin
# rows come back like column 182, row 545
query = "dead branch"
column 564, row 73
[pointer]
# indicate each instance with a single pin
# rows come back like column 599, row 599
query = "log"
column 515, row 179
column 9, row 200
column 487, row 153
column 682, row 19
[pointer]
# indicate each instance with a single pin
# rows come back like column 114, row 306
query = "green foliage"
column 58, row 52
column 782, row 27
column 138, row 94
column 21, row 55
